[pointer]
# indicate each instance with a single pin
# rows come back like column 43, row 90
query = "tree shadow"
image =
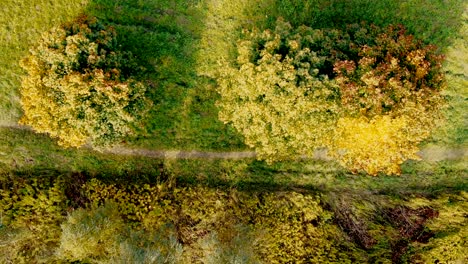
column 163, row 36
column 434, row 22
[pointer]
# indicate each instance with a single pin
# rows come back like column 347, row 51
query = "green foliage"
column 78, row 88
column 291, row 91
column 31, row 211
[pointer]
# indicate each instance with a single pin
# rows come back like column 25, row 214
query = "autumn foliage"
column 78, row 86
column 369, row 95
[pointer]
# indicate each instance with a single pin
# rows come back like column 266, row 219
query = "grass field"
column 214, row 203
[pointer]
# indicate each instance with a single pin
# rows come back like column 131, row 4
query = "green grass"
column 435, row 22
column 164, row 37
column 33, row 154
column 455, row 130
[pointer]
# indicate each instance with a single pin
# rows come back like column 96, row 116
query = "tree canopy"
column 79, row 86
column 369, row 95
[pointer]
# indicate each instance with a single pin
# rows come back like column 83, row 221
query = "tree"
column 369, row 95
column 78, row 86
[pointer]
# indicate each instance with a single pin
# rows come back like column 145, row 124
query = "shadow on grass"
column 321, row 177
column 435, row 22
column 27, row 153
column 163, row 36
column 33, row 154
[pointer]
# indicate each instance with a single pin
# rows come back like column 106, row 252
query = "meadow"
column 214, row 210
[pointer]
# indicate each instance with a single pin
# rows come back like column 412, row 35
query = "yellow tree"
column 369, row 95
column 78, row 87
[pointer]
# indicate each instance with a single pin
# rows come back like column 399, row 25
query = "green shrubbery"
column 369, row 95
column 164, row 223
column 79, row 86
column 31, row 212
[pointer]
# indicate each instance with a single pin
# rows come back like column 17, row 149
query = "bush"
column 79, row 87
column 369, row 95
column 390, row 88
column 100, row 236
column 30, row 214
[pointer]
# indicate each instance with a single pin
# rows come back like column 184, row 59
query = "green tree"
column 78, row 86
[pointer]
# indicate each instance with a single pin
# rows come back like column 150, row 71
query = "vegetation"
column 230, row 211
column 79, row 87
column 147, row 210
column 292, row 91
column 21, row 25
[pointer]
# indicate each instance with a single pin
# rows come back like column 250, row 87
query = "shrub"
column 30, row 213
column 79, row 87
column 390, row 97
column 99, row 235
column 369, row 95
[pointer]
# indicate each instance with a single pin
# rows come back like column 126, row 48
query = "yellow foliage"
column 74, row 91
column 451, row 227
column 279, row 104
column 377, row 145
column 371, row 115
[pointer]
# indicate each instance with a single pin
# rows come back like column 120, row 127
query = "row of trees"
column 368, row 95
